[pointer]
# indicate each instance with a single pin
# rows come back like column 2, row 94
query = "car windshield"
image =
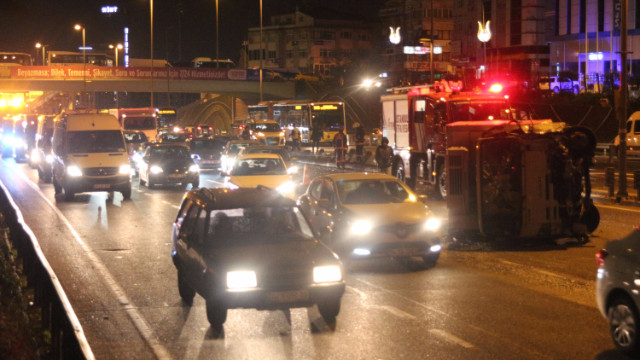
column 478, row 110
column 283, row 154
column 100, row 141
column 135, row 138
column 259, row 166
column 235, row 148
column 170, row 152
column 266, row 127
column 140, row 123
column 214, row 144
column 264, row 225
column 371, row 191
column 174, row 137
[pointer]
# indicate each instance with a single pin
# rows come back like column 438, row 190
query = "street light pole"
column 151, row 14
column 84, row 61
column 217, row 39
column 116, row 48
column 261, row 97
column 38, row 46
column 431, row 52
column 622, row 107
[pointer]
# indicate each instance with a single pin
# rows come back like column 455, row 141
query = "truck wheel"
column 441, row 183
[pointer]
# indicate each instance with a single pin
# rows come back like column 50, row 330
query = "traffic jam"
column 255, row 230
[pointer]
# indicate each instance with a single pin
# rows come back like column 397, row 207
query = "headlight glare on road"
column 74, row 171
column 155, row 169
column 326, row 274
column 433, row 224
column 125, row 169
column 361, row 227
column 194, row 168
column 239, row 280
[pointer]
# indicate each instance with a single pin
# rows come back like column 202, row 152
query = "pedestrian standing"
column 359, row 142
column 246, row 133
column 295, row 139
column 384, row 154
column 316, row 137
column 340, row 148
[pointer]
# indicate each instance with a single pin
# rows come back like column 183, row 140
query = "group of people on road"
column 383, row 155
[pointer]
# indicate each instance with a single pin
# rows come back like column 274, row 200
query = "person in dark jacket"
column 384, row 154
column 340, row 148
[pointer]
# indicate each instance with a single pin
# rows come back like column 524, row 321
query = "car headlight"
column 195, row 156
column 194, row 168
column 49, row 158
column 327, row 274
column 239, row 280
column 260, row 134
column 293, row 170
column 435, row 248
column 287, row 188
column 125, row 169
column 155, row 169
column 35, row 156
column 361, row 227
column 74, row 171
column 432, row 224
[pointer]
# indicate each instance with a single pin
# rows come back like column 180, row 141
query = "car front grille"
column 401, row 230
column 100, row 171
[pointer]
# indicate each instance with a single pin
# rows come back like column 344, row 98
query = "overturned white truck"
column 516, row 180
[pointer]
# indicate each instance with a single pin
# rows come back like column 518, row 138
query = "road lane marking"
column 390, row 309
column 618, row 208
column 215, row 182
column 145, row 330
column 171, row 204
column 451, row 338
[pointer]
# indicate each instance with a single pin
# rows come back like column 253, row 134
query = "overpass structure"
column 235, row 82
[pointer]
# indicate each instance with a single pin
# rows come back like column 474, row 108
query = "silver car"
column 618, row 290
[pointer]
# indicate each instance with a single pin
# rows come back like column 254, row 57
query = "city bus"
column 15, row 58
column 67, row 58
column 304, row 115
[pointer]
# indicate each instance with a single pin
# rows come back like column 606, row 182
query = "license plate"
column 176, row 176
column 288, row 296
column 101, row 186
column 401, row 252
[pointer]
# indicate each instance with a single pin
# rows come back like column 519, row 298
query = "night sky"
column 182, row 29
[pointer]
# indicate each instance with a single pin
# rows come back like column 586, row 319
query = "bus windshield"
column 139, row 123
column 327, row 116
column 15, row 59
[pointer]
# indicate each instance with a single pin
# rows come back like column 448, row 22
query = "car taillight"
column 600, row 256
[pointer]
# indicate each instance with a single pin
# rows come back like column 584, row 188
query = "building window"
column 324, row 52
column 345, row 35
column 516, row 22
column 272, row 54
column 568, row 12
column 601, row 15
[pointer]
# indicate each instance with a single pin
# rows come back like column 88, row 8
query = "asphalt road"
column 527, row 301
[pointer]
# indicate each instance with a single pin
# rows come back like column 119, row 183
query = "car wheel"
column 329, row 310
column 40, row 174
column 195, row 184
column 556, row 90
column 623, row 325
column 441, row 182
column 69, row 195
column 431, row 259
column 576, row 90
column 187, row 292
column 126, row 192
column 216, row 314
column 57, row 187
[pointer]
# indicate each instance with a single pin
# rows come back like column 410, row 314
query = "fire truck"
column 414, row 119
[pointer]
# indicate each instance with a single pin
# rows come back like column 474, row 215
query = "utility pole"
column 431, row 52
column 621, row 106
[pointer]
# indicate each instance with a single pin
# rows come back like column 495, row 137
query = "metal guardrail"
column 68, row 340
